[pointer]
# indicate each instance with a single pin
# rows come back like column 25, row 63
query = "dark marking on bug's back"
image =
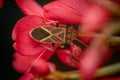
column 56, row 39
column 61, row 35
column 39, row 34
column 56, row 31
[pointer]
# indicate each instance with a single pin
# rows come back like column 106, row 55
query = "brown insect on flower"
column 62, row 34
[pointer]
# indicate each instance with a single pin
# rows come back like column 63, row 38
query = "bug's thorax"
column 71, row 35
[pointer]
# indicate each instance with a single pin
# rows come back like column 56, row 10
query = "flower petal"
column 70, row 56
column 93, row 22
column 31, row 64
column 21, row 63
column 24, row 44
column 40, row 68
column 30, row 7
column 66, row 11
column 95, row 56
column 94, row 19
column 14, row 33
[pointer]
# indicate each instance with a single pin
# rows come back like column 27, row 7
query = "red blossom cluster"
column 31, row 58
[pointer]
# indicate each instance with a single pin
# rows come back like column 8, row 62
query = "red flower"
column 29, row 52
column 94, row 58
column 64, row 12
column 31, row 65
column 84, row 12
column 28, row 49
column 24, row 44
column 70, row 56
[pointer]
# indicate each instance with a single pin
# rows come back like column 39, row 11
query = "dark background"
column 9, row 15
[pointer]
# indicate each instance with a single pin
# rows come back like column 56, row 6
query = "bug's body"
column 58, row 35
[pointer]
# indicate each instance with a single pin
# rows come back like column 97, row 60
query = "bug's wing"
column 39, row 33
column 79, row 43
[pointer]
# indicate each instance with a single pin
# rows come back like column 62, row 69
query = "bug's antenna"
column 49, row 48
column 53, row 22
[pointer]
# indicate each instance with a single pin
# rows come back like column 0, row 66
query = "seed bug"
column 61, row 34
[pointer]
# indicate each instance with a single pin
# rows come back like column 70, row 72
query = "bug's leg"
column 64, row 46
column 52, row 47
column 62, row 25
column 50, row 22
column 79, row 43
column 53, row 22
column 49, row 48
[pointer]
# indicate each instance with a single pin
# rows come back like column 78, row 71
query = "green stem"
column 108, row 70
column 76, row 75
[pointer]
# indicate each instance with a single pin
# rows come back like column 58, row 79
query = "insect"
column 63, row 35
